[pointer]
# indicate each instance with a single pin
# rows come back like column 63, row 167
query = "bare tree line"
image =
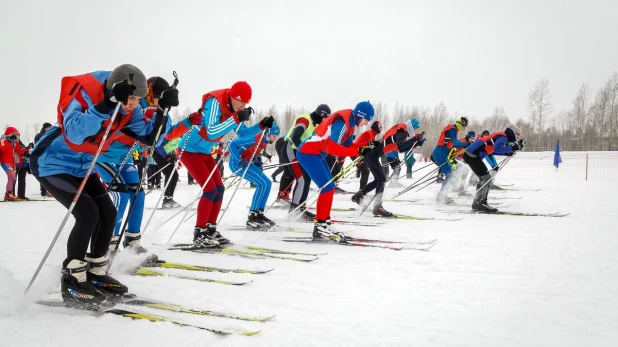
column 589, row 124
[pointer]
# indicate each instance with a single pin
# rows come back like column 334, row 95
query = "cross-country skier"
column 222, row 110
column 396, row 139
column 10, row 156
column 303, row 128
column 498, row 143
column 333, row 136
column 62, row 157
column 241, row 152
column 447, row 140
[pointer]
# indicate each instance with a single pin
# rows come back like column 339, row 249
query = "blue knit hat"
column 471, row 134
column 412, row 124
column 364, row 109
column 274, row 130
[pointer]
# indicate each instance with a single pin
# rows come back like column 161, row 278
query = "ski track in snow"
column 489, row 281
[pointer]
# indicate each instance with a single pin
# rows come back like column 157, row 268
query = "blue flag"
column 557, row 159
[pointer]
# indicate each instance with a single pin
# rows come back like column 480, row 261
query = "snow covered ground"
column 489, row 281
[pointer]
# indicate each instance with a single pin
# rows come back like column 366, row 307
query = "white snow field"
column 488, row 281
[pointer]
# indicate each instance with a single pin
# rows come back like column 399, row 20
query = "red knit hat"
column 11, row 130
column 241, row 91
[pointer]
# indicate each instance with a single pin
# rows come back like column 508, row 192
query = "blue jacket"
column 211, row 121
column 239, row 145
column 501, row 147
column 52, row 155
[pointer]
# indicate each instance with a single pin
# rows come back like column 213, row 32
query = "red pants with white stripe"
column 200, row 167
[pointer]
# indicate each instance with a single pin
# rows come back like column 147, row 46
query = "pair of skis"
column 121, row 308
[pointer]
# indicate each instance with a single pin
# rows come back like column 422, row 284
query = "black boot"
column 75, row 286
column 97, row 274
column 214, row 235
column 201, row 239
column 132, row 242
column 484, row 207
column 254, row 221
column 378, row 210
column 265, row 220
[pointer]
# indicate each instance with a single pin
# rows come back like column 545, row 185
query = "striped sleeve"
column 211, row 120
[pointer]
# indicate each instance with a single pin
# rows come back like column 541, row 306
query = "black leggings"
column 476, row 164
column 373, row 163
column 364, row 174
column 95, row 213
column 169, row 172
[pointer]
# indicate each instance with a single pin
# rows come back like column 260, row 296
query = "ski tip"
column 250, row 333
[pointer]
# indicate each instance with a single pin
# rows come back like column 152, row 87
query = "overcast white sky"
column 471, row 55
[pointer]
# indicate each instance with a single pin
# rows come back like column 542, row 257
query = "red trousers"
column 200, row 167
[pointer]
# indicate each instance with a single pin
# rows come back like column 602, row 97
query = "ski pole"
column 197, row 196
column 243, row 175
column 161, row 169
column 145, row 170
column 79, row 190
column 407, row 189
column 431, row 180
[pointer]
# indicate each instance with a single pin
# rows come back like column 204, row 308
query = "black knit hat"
column 46, row 125
column 157, row 85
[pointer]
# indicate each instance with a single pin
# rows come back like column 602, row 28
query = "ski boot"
column 75, row 286
column 98, row 275
column 482, row 206
column 322, row 232
column 114, row 244
column 254, row 221
column 358, row 197
column 306, row 215
column 201, row 239
column 213, row 234
column 265, row 220
column 443, row 199
column 168, row 202
column 132, row 242
column 10, row 197
column 381, row 212
column 274, row 178
column 284, row 198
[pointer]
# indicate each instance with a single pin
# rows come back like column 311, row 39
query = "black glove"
column 517, row 146
column 244, row 114
column 168, row 99
column 121, row 92
column 363, row 151
column 257, row 162
column 374, row 144
column 267, row 155
column 31, row 145
column 170, row 158
column 394, row 162
column 267, row 122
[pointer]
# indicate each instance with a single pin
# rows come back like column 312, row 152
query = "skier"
column 303, row 128
column 222, row 110
column 363, row 140
column 163, row 154
column 10, row 154
column 499, row 143
column 448, row 139
column 61, row 158
column 460, row 172
column 396, row 139
column 23, row 168
column 124, row 185
column 333, row 136
column 241, row 152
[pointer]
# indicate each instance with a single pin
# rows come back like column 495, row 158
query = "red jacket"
column 366, row 137
column 10, row 151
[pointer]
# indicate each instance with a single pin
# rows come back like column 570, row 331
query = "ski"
column 150, row 273
column 358, row 244
column 249, row 254
column 24, row 200
column 360, row 239
column 405, row 201
column 258, row 249
column 191, row 267
column 349, row 222
column 509, row 213
column 115, row 310
column 404, row 217
column 176, row 308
